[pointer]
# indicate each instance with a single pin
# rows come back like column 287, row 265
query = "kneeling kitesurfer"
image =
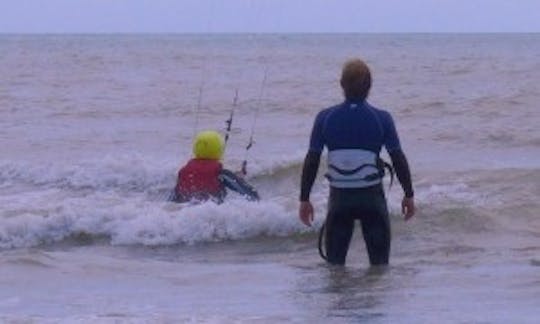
column 204, row 178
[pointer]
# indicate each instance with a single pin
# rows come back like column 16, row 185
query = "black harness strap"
column 352, row 171
column 320, row 243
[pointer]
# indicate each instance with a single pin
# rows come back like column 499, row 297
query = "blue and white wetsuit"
column 354, row 133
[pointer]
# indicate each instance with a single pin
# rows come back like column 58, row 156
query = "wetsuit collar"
column 354, row 103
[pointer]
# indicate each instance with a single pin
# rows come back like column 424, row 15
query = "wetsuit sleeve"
column 401, row 166
column 313, row 157
column 174, row 195
column 309, row 173
column 316, row 141
column 391, row 138
column 236, row 183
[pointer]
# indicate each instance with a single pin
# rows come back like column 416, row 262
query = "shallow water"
column 93, row 129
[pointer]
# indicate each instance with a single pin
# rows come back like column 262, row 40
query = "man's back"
column 354, row 125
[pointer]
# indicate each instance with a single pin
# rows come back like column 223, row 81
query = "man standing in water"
column 354, row 133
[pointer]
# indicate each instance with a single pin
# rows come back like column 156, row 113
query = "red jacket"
column 199, row 179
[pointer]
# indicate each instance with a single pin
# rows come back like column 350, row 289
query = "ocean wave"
column 109, row 218
column 123, row 173
column 121, row 207
column 119, row 219
column 136, row 221
column 103, row 200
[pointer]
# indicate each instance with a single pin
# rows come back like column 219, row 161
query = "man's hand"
column 407, row 207
column 306, row 212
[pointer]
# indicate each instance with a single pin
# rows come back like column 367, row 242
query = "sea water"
column 93, row 129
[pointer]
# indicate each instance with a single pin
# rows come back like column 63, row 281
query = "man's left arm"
column 401, row 166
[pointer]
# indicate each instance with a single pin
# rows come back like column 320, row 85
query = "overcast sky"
column 188, row 16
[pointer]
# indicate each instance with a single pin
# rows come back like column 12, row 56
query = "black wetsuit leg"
column 367, row 205
column 376, row 231
column 339, row 228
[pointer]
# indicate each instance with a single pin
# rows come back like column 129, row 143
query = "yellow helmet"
column 208, row 145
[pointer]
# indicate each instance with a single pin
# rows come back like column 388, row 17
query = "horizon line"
column 266, row 33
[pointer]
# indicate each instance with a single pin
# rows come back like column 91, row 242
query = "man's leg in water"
column 339, row 230
column 376, row 231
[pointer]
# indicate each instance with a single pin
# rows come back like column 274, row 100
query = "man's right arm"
column 310, row 168
column 313, row 157
column 309, row 173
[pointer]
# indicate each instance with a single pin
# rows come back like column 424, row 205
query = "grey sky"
column 76, row 16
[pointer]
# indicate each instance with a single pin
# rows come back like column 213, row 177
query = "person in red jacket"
column 204, row 178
